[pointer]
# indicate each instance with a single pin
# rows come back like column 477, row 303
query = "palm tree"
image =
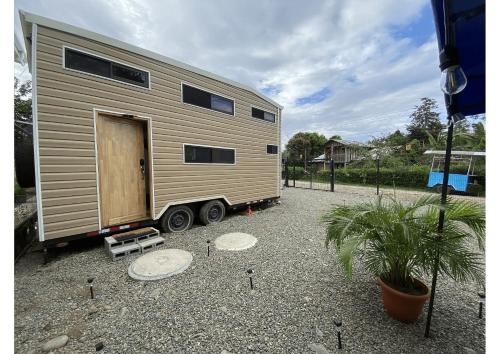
column 399, row 242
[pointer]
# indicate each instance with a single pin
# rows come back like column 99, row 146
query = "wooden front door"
column 122, row 182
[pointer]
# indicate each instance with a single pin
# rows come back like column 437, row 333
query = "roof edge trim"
column 27, row 17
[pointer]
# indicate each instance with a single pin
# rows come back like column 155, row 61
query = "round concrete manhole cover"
column 160, row 264
column 235, row 241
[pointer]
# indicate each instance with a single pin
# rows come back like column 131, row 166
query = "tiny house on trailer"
column 124, row 137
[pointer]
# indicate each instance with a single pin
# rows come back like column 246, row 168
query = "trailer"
column 124, row 137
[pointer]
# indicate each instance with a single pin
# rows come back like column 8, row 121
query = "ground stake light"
column 89, row 281
column 338, row 328
column 482, row 302
column 208, row 248
column 250, row 272
column 99, row 346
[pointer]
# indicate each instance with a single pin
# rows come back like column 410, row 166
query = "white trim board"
column 279, row 155
column 186, row 201
column 36, row 145
column 64, row 27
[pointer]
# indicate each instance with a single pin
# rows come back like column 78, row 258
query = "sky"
column 353, row 68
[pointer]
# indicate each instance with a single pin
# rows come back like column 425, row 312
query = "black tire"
column 212, row 212
column 439, row 189
column 24, row 163
column 177, row 219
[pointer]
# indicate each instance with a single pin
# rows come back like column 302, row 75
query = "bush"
column 415, row 176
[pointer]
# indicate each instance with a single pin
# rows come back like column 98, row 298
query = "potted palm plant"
column 398, row 242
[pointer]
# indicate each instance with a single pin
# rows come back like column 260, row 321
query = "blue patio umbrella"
column 460, row 29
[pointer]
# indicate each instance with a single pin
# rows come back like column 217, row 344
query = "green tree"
column 393, row 139
column 479, row 136
column 335, row 137
column 22, row 110
column 396, row 139
column 305, row 146
column 464, row 137
column 424, row 120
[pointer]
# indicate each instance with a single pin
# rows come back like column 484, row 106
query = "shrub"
column 399, row 241
column 415, row 176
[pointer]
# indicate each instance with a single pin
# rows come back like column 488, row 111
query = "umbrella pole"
column 444, row 194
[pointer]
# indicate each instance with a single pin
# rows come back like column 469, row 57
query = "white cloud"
column 299, row 47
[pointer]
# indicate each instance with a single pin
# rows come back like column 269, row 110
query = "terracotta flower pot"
column 401, row 306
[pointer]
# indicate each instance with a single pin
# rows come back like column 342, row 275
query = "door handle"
column 142, row 163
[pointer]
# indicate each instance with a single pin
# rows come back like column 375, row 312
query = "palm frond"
column 401, row 241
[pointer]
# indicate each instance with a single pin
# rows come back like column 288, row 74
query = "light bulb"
column 453, row 80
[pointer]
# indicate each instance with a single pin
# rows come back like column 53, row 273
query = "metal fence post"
column 294, row 175
column 311, row 173
column 378, row 175
column 444, row 195
column 286, row 173
column 332, row 176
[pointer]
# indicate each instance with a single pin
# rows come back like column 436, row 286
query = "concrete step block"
column 122, row 251
column 151, row 243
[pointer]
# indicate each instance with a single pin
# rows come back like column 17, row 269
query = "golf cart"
column 463, row 165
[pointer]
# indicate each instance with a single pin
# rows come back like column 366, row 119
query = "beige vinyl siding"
column 66, row 103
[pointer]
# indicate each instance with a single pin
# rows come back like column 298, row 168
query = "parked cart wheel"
column 212, row 211
column 177, row 219
column 439, row 189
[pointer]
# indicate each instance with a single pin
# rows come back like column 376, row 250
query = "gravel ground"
column 22, row 211
column 401, row 194
column 300, row 290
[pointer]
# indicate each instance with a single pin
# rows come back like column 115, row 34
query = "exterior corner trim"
column 36, row 144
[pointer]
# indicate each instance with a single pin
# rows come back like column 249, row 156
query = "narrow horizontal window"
column 204, row 154
column 197, row 97
column 261, row 114
column 91, row 64
column 87, row 63
column 272, row 149
column 132, row 76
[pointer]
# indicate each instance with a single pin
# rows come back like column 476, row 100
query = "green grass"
column 17, row 189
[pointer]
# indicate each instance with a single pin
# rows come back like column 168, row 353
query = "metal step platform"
column 143, row 240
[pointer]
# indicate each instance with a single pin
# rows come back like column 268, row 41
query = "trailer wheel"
column 212, row 211
column 177, row 219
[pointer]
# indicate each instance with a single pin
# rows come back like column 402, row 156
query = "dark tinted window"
column 87, row 63
column 222, row 156
column 272, row 149
column 202, row 154
column 93, row 65
column 260, row 114
column 270, row 117
column 197, row 154
column 222, row 104
column 195, row 96
column 130, row 75
column 257, row 113
column 206, row 99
